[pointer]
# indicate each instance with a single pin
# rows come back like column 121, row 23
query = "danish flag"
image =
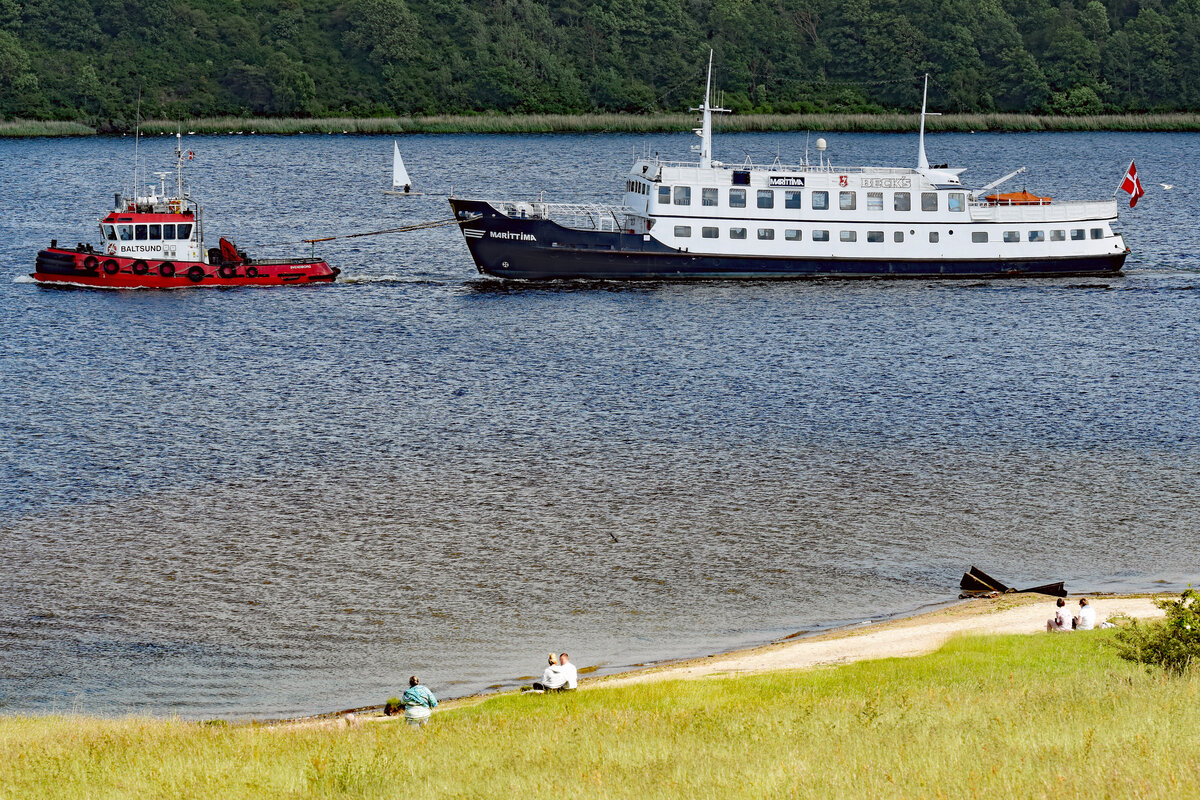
column 1132, row 185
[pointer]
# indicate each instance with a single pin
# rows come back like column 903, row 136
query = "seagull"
column 1167, row 186
column 614, row 538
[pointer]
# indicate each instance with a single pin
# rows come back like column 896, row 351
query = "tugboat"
column 709, row 220
column 156, row 241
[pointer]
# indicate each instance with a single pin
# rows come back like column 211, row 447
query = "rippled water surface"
column 278, row 501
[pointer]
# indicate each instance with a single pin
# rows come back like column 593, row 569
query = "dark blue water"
column 278, row 501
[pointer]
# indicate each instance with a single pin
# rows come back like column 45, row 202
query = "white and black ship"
column 709, row 220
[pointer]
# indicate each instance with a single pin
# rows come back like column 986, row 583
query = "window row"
column 847, row 201
column 794, row 235
column 637, row 187
column 150, row 232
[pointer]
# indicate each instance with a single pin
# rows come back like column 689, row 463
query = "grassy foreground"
column 1016, row 716
column 630, row 123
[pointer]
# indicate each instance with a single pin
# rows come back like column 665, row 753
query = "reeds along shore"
column 628, row 123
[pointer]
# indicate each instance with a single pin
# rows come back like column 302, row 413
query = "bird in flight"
column 1167, row 186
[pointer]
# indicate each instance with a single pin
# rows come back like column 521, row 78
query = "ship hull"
column 96, row 270
column 539, row 249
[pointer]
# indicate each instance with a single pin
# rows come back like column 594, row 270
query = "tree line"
column 105, row 61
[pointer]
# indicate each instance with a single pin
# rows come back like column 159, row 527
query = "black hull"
column 533, row 249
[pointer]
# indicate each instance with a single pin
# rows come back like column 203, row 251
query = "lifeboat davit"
column 156, row 241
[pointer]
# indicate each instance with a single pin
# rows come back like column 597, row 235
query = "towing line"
column 420, row 226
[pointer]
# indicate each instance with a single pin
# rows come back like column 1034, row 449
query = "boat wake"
column 24, row 279
column 388, row 279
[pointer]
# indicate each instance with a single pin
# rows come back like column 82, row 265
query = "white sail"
column 400, row 178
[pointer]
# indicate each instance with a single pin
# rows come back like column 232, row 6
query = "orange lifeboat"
column 1021, row 198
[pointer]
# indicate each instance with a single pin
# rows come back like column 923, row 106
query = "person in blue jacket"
column 418, row 702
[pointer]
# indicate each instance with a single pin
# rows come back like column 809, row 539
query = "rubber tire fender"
column 140, row 267
column 195, row 274
column 111, row 267
column 166, row 270
column 90, row 262
column 251, row 272
column 227, row 271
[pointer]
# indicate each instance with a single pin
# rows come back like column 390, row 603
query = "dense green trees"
column 96, row 60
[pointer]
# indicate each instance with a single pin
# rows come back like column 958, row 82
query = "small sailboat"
column 401, row 183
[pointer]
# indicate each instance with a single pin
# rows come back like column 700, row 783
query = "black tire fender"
column 166, row 269
column 195, row 274
column 90, row 262
column 227, row 271
column 111, row 267
column 140, row 267
column 251, row 272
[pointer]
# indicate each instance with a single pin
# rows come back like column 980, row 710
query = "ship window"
column 683, row 231
column 792, row 235
column 847, row 201
column 848, row 236
column 708, row 197
column 792, row 199
column 741, row 177
column 664, row 194
column 933, row 237
column 1097, row 233
column 1058, row 236
column 139, row 232
column 710, row 233
column 683, row 195
column 766, row 198
column 766, row 233
column 820, row 236
column 875, row 236
column 109, row 232
column 1076, row 234
column 820, row 201
column 979, row 237
column 874, row 201
column 737, row 233
column 929, row 201
column 126, row 232
column 1012, row 236
column 168, row 231
column 1037, row 236
column 183, row 231
column 156, row 232
column 898, row 236
column 956, row 201
column 902, row 201
column 737, row 198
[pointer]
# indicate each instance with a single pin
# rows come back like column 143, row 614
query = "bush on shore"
column 1173, row 643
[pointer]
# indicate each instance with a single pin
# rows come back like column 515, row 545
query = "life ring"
column 251, row 272
column 140, row 267
column 90, row 262
column 195, row 274
column 166, row 269
column 111, row 267
column 227, row 271
column 112, row 249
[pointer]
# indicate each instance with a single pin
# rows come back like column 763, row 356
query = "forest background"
column 95, row 61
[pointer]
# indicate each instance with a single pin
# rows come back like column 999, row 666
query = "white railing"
column 580, row 216
column 1044, row 212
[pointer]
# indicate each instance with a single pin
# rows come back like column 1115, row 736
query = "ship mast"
column 922, row 161
column 705, row 129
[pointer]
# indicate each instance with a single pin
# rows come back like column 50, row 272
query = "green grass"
column 652, row 123
column 1018, row 716
column 31, row 127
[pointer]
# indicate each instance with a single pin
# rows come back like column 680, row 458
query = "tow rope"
column 420, row 226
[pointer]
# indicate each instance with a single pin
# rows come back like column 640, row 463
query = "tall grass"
column 31, row 127
column 651, row 123
column 1020, row 716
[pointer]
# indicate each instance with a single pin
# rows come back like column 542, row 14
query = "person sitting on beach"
column 418, row 702
column 1086, row 620
column 553, row 678
column 570, row 674
column 1060, row 622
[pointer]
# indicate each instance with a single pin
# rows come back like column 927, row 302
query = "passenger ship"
column 706, row 219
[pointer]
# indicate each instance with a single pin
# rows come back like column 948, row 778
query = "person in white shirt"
column 553, row 678
column 1061, row 621
column 570, row 674
column 1086, row 620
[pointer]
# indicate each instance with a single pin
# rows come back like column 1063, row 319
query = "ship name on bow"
column 524, row 237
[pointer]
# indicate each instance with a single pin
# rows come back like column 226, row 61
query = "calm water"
column 272, row 502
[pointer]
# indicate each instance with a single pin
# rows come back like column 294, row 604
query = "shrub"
column 393, row 707
column 1172, row 643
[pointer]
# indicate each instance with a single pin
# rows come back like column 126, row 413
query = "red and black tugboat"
column 156, row 241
